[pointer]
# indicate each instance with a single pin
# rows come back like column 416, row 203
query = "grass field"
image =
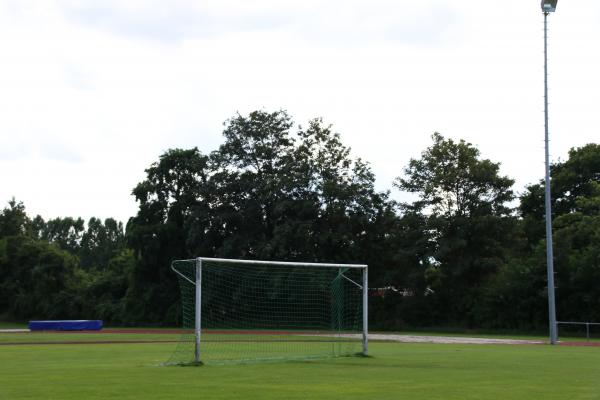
column 396, row 371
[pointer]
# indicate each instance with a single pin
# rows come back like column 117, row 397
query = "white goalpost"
column 249, row 310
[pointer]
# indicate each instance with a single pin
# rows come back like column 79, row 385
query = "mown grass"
column 396, row 371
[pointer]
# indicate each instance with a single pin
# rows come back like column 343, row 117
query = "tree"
column 109, row 289
column 572, row 182
column 351, row 221
column 13, row 219
column 157, row 233
column 249, row 184
column 451, row 180
column 100, row 243
column 64, row 232
column 266, row 193
column 40, row 273
column 575, row 194
column 463, row 201
column 577, row 254
column 37, row 280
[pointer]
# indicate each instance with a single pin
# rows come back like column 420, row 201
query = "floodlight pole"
column 547, row 7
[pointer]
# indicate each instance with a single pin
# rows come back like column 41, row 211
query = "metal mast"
column 548, row 6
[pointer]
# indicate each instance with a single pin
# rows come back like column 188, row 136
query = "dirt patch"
column 445, row 339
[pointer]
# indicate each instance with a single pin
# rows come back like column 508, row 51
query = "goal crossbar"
column 274, row 263
column 278, row 263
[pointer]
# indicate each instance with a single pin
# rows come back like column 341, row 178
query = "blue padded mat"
column 70, row 325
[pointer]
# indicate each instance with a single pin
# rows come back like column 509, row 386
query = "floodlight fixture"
column 549, row 5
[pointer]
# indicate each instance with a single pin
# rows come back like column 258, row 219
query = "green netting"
column 254, row 312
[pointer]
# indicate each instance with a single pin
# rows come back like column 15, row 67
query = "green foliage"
column 516, row 297
column 109, row 288
column 35, row 279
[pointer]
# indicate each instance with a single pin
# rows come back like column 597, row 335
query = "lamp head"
column 548, row 6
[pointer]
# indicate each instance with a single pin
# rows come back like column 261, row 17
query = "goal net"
column 239, row 310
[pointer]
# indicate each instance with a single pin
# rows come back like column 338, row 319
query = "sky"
column 93, row 92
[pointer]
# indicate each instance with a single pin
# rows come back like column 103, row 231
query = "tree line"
column 467, row 252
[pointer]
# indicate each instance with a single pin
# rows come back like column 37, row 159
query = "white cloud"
column 93, row 92
column 321, row 22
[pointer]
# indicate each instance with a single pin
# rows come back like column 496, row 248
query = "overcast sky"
column 92, row 92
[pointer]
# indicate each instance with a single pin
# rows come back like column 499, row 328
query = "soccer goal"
column 242, row 310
